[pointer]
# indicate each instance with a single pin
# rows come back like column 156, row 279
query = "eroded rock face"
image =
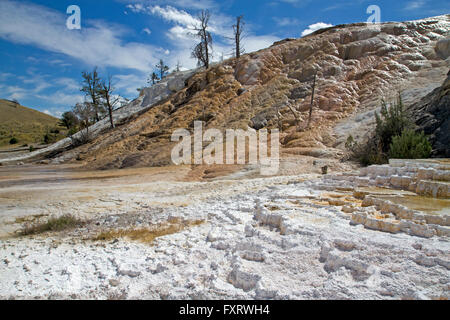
column 443, row 48
column 157, row 92
column 432, row 115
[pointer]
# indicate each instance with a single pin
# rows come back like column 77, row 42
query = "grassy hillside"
column 25, row 124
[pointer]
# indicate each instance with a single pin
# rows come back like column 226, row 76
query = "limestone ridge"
column 356, row 66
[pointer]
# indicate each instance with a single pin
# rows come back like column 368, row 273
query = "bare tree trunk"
column 312, row 100
column 207, row 55
column 111, row 120
column 204, row 19
column 238, row 29
column 107, row 92
column 202, row 50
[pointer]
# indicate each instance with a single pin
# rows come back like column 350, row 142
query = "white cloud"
column 174, row 15
column 297, row 3
column 33, row 84
column 255, row 43
column 58, row 113
column 99, row 44
column 16, row 96
column 64, row 92
column 59, row 62
column 55, row 62
column 284, row 22
column 61, row 98
column 219, row 24
column 414, row 5
column 187, row 4
column 32, row 59
column 5, row 75
column 67, row 83
column 38, row 81
column 128, row 83
column 53, row 112
column 314, row 27
column 180, row 34
column 12, row 92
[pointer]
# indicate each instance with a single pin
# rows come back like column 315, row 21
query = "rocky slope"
column 432, row 115
column 357, row 65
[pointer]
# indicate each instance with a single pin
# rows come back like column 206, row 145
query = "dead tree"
column 91, row 87
column 178, row 66
column 238, row 29
column 107, row 94
column 84, row 113
column 312, row 100
column 203, row 50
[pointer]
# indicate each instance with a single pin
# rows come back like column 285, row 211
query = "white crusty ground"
column 296, row 249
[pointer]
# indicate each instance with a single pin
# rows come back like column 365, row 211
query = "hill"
column 357, row 65
column 24, row 124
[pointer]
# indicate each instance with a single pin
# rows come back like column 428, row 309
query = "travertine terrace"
column 289, row 237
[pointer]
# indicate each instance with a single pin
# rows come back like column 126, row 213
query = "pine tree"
column 162, row 68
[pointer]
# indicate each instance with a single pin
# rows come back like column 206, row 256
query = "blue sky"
column 41, row 60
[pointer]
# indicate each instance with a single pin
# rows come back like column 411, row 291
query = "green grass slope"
column 28, row 126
